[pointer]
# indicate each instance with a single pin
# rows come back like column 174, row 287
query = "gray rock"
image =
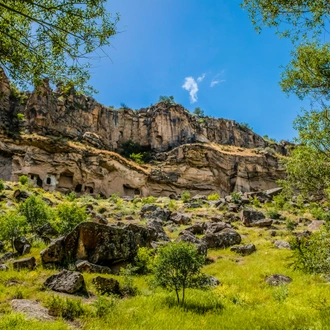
column 278, row 279
column 47, row 230
column 216, row 227
column 197, row 228
column 106, row 285
column 180, row 219
column 144, row 235
column 7, row 256
column 66, row 281
column 227, row 237
column 157, row 225
column 22, row 245
column 3, row 267
column 244, row 250
column 188, row 237
column 282, row 245
column 253, row 218
column 231, row 207
column 29, row 263
column 316, row 225
column 85, row 266
column 32, row 309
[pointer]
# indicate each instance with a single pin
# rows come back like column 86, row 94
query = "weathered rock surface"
column 28, row 263
column 252, row 218
column 84, row 266
column 223, row 239
column 66, row 281
column 188, row 154
column 282, row 245
column 22, row 245
column 32, row 309
column 188, row 237
column 244, row 250
column 316, row 225
column 3, row 267
column 278, row 279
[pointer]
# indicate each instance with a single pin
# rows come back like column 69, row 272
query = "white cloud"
column 192, row 87
column 201, row 78
column 215, row 80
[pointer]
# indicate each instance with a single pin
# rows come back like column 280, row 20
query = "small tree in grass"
column 178, row 267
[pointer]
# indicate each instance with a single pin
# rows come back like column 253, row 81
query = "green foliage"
column 2, row 185
column 66, row 308
column 245, row 126
column 273, row 214
column 198, row 112
column 256, row 202
column 104, row 305
column 185, row 196
column 168, row 100
column 134, row 151
column 12, row 225
column 69, row 216
column 281, row 293
column 138, row 158
column 114, row 198
column 23, row 180
column 20, row 116
column 290, row 225
column 311, row 255
column 36, row 211
column 236, row 197
column 269, row 139
column 148, row 200
column 178, row 267
column 53, row 38
column 123, row 105
column 128, row 287
column 71, row 196
column 144, row 261
column 213, row 197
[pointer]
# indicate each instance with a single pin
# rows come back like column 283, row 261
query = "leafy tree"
column 198, row 112
column 53, row 38
column 12, row 225
column 23, row 179
column 36, row 211
column 246, row 126
column 169, row 100
column 178, row 267
column 70, row 215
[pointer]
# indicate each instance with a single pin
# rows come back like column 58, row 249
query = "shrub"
column 138, row 158
column 311, row 254
column 172, row 206
column 104, row 305
column 168, row 100
column 128, row 287
column 198, row 112
column 290, row 224
column 114, row 198
column 236, row 197
column 36, row 211
column 2, row 185
column 178, row 267
column 144, row 261
column 185, row 196
column 148, row 200
column 23, row 179
column 70, row 215
column 20, row 116
column 12, row 225
column 273, row 214
column 256, row 202
column 71, row 196
column 213, row 197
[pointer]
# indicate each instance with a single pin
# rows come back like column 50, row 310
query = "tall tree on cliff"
column 306, row 23
column 57, row 39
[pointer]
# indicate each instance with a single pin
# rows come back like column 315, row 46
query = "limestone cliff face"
column 158, row 128
column 68, row 142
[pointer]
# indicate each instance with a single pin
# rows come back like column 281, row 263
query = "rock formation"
column 69, row 142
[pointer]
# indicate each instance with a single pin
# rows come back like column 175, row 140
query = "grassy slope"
column 247, row 302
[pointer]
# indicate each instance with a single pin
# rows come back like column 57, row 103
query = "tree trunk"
column 177, row 295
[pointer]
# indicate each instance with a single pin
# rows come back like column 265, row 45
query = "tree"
column 178, row 267
column 198, row 112
column 53, row 39
column 36, row 211
column 168, row 100
column 12, row 225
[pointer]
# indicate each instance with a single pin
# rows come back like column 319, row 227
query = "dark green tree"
column 169, row 100
column 198, row 112
column 178, row 267
column 53, row 39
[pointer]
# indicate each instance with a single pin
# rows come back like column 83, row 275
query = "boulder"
column 47, row 230
column 157, row 225
column 282, row 245
column 144, row 235
column 180, row 219
column 84, row 266
column 278, row 279
column 3, row 267
column 253, row 218
column 22, row 245
column 217, row 218
column 96, row 243
column 28, row 263
column 21, row 195
column 244, row 250
column 197, row 228
column 315, row 225
column 212, row 281
column 216, row 227
column 32, row 309
column 231, row 207
column 224, row 239
column 7, row 256
column 188, row 237
column 106, row 285
column 66, row 281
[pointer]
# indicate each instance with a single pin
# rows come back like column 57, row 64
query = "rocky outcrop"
column 65, row 142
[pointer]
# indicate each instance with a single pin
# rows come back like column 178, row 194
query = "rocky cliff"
column 69, row 142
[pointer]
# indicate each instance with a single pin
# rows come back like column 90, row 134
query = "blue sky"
column 163, row 42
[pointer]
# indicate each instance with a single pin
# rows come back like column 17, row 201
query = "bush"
column 2, row 185
column 185, row 196
column 36, row 211
column 23, row 179
column 20, row 116
column 70, row 215
column 273, row 214
column 311, row 254
column 128, row 287
column 71, row 196
column 178, row 267
column 138, row 158
column 114, row 198
column 168, row 100
column 104, row 305
column 256, row 202
column 148, row 200
column 236, row 197
column 144, row 261
column 213, row 197
column 12, row 225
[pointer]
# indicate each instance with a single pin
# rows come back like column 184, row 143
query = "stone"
column 99, row 218
column 3, row 267
column 223, row 239
column 244, row 250
column 278, row 279
column 147, row 208
column 55, row 252
column 160, row 232
column 32, row 309
column 316, row 225
column 84, row 266
column 47, row 230
column 144, row 235
column 233, row 207
column 282, row 245
column 66, row 281
column 29, row 263
column 217, row 218
column 198, row 228
column 252, row 218
column 188, row 237
column 21, row 195
column 22, row 245
column 216, row 227
column 213, row 281
column 180, row 219
column 106, row 285
column 7, row 256
column 274, row 192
